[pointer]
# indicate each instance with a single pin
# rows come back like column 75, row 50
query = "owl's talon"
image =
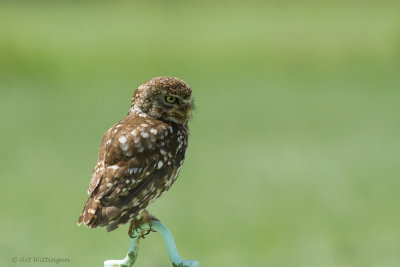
column 148, row 231
column 142, row 226
column 132, row 236
column 132, row 232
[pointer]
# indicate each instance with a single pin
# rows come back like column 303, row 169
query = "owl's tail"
column 88, row 215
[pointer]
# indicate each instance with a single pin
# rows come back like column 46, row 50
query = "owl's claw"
column 135, row 228
column 131, row 234
column 142, row 233
column 148, row 231
column 132, row 229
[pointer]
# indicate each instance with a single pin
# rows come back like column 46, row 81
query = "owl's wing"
column 99, row 169
column 130, row 154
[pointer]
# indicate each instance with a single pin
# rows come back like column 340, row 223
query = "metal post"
column 169, row 242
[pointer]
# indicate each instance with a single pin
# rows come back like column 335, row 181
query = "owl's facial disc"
column 165, row 98
column 175, row 108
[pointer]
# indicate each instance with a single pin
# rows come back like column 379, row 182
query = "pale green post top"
column 169, row 242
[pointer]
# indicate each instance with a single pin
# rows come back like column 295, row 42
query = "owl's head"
column 165, row 98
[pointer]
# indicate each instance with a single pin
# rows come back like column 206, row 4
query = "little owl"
column 140, row 157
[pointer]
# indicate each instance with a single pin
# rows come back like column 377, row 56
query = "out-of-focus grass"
column 294, row 153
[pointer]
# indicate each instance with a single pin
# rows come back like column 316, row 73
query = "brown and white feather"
column 140, row 156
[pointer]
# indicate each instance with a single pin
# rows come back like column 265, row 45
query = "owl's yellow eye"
column 170, row 99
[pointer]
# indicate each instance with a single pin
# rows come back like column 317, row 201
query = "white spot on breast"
column 118, row 125
column 140, row 149
column 162, row 151
column 135, row 202
column 142, row 115
column 108, row 142
column 159, row 165
column 109, row 185
column 122, row 139
column 134, row 133
column 144, row 125
column 149, row 145
column 124, row 146
column 133, row 170
column 128, row 153
column 115, row 167
column 152, row 189
column 92, row 211
column 153, row 131
column 145, row 135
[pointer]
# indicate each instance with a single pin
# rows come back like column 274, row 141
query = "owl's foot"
column 144, row 219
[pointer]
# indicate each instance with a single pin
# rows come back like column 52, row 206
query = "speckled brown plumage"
column 140, row 157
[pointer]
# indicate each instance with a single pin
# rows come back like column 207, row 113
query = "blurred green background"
column 294, row 150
